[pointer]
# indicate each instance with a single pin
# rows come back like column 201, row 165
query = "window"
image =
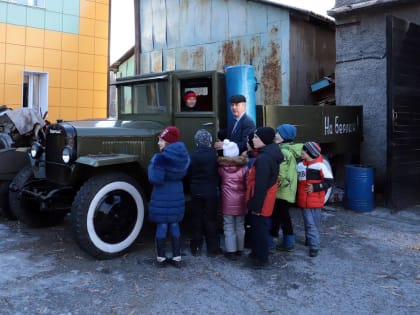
column 144, row 98
column 34, row 3
column 35, row 91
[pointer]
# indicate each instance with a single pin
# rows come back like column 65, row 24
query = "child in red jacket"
column 314, row 179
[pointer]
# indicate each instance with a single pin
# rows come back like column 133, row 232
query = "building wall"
column 211, row 34
column 68, row 39
column 312, row 57
column 361, row 77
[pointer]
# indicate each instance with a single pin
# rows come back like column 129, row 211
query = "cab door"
column 210, row 110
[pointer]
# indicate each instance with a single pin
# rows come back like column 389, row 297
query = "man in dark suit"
column 240, row 126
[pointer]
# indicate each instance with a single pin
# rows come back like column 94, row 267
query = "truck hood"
column 110, row 128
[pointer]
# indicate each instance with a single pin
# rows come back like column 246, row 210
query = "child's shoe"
column 288, row 244
column 313, row 252
column 231, row 256
column 272, row 243
column 176, row 262
column 196, row 251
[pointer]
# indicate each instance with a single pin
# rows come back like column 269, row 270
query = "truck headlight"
column 66, row 154
column 36, row 150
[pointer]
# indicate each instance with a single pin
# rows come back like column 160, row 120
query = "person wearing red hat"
column 314, row 179
column 190, row 99
column 167, row 204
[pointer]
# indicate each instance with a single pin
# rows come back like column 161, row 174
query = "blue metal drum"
column 359, row 191
column 241, row 80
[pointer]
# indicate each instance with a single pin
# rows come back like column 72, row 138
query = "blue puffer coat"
column 166, row 171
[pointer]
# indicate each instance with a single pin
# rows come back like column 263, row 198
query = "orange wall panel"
column 2, row 74
column 52, row 58
column 2, row 33
column 69, row 98
column 70, row 42
column 2, row 53
column 101, row 29
column 86, row 62
column 2, row 101
column 54, row 77
column 100, row 82
column 69, row 60
column 15, row 54
column 69, row 79
column 86, row 44
column 102, row 12
column 101, row 64
column 100, row 112
column 53, row 40
column 34, row 56
column 35, row 37
column 12, row 94
column 85, row 80
column 85, row 98
column 15, row 34
column 84, row 112
column 87, row 26
column 67, row 113
column 87, row 9
column 13, row 74
column 54, row 96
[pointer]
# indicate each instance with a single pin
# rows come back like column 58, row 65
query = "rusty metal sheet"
column 156, row 61
column 169, row 60
column 159, row 24
column 146, row 26
column 172, row 24
column 219, row 22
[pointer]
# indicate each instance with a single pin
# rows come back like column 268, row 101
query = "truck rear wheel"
column 4, row 201
column 107, row 215
column 27, row 209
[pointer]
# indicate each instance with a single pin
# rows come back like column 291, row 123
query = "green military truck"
column 96, row 169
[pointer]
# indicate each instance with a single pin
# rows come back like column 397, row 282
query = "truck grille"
column 58, row 136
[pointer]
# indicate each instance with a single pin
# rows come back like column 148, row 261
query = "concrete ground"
column 369, row 264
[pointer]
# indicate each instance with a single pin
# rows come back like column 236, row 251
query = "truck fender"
column 99, row 160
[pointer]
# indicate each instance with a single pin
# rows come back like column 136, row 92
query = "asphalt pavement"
column 369, row 263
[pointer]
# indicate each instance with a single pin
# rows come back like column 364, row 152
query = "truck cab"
column 96, row 170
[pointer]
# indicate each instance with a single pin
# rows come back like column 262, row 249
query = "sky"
column 122, row 21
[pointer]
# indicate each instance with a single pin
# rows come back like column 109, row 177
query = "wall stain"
column 271, row 76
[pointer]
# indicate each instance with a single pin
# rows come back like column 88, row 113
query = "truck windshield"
column 144, row 98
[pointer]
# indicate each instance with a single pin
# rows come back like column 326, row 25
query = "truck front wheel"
column 27, row 208
column 107, row 215
column 4, row 200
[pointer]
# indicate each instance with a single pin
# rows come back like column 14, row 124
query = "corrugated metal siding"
column 210, row 34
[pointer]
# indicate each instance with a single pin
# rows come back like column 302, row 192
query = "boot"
column 272, row 243
column 176, row 252
column 288, row 244
column 160, row 251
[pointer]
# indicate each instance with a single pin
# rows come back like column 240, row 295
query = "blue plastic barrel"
column 359, row 191
column 241, row 80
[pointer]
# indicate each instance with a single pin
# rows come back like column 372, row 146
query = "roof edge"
column 370, row 4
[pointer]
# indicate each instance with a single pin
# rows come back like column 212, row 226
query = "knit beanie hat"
column 250, row 140
column 189, row 94
column 230, row 149
column 203, row 138
column 170, row 134
column 287, row 132
column 266, row 134
column 312, row 149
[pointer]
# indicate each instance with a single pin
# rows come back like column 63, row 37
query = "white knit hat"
column 230, row 149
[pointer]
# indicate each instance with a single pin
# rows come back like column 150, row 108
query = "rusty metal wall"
column 211, row 34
